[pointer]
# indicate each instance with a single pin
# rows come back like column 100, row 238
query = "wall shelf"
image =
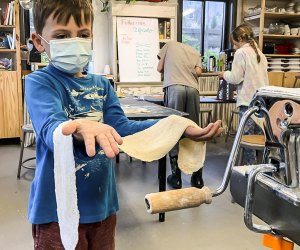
column 7, row 50
column 275, row 15
column 11, row 115
column 283, row 37
column 281, row 15
column 283, row 55
column 7, row 27
column 262, row 21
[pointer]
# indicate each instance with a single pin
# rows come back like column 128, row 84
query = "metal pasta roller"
column 270, row 191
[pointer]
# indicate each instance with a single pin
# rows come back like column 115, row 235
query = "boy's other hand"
column 211, row 131
column 95, row 132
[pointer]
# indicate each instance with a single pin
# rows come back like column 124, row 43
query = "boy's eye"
column 64, row 36
column 61, row 36
column 84, row 35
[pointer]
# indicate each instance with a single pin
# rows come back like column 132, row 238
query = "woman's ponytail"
column 253, row 45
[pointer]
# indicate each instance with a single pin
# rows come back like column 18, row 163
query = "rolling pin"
column 177, row 199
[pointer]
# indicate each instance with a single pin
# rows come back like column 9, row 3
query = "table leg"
column 162, row 163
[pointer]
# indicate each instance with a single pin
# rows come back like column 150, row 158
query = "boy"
column 60, row 92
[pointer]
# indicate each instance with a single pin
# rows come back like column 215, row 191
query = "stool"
column 27, row 129
column 296, row 79
column 255, row 142
column 209, row 115
column 233, row 112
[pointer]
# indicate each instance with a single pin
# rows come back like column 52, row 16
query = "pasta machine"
column 271, row 190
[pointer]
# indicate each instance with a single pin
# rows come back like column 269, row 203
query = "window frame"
column 229, row 21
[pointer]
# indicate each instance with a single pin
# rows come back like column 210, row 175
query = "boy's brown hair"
column 62, row 10
column 245, row 33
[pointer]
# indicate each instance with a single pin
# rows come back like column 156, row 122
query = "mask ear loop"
column 48, row 57
column 43, row 39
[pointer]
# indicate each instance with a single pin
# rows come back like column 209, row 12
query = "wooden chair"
column 255, row 142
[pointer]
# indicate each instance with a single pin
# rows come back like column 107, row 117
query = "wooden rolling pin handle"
column 177, row 199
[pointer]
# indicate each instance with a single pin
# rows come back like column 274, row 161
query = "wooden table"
column 156, row 112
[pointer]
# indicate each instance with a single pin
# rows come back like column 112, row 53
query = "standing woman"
column 249, row 73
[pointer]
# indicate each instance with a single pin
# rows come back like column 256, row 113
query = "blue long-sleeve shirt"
column 54, row 97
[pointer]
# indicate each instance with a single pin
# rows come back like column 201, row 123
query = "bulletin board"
column 138, row 46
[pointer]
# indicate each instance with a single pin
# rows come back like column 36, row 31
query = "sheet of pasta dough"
column 155, row 142
column 65, row 188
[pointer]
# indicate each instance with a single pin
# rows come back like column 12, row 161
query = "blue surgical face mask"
column 70, row 55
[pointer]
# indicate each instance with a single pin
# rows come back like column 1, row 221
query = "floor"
column 218, row 226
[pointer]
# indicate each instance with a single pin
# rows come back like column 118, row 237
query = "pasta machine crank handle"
column 234, row 151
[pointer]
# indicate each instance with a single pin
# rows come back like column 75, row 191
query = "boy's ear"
column 37, row 42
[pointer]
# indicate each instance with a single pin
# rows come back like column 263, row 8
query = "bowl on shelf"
column 297, row 7
column 266, row 31
column 276, row 28
column 271, row 8
column 294, row 31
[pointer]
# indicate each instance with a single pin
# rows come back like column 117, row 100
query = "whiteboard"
column 138, row 46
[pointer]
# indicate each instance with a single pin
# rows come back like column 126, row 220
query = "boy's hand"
column 95, row 132
column 204, row 134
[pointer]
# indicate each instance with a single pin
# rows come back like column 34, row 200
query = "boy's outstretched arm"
column 204, row 134
column 93, row 132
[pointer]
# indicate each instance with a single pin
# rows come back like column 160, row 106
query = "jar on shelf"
column 287, row 30
column 161, row 30
column 1, row 17
column 269, row 48
column 297, row 7
column 276, row 28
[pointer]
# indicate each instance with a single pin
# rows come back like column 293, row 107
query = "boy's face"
column 54, row 30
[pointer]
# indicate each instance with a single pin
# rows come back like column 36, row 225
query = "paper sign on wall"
column 138, row 46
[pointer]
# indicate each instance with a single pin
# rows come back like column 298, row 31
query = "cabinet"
column 276, row 78
column 10, row 79
column 165, row 12
column 282, row 79
column 261, row 13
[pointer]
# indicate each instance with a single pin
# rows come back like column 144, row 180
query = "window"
column 204, row 26
column 192, row 24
